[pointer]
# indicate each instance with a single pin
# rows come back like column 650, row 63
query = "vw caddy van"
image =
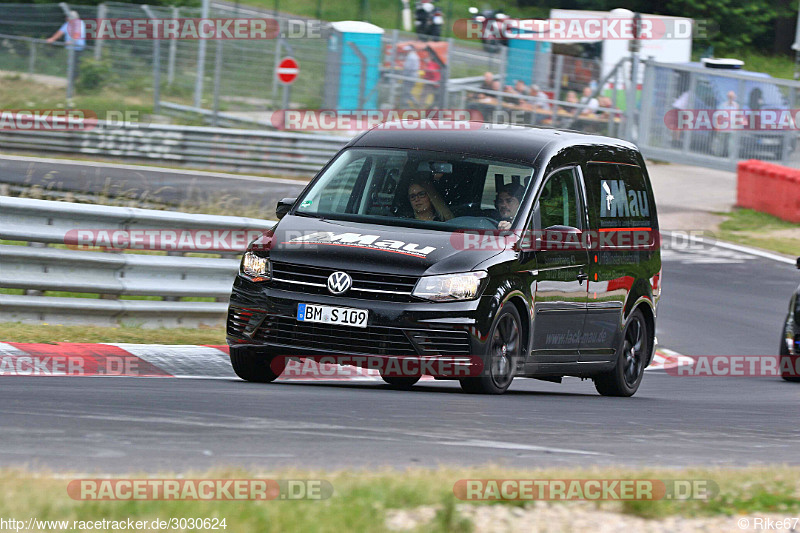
column 523, row 252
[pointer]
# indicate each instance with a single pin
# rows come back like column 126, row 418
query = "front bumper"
column 265, row 318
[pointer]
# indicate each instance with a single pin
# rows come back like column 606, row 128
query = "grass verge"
column 51, row 333
column 762, row 230
column 362, row 500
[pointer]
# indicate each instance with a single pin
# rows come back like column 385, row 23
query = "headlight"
column 255, row 267
column 449, row 287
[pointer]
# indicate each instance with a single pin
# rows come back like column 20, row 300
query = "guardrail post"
column 201, row 62
column 391, row 69
column 32, row 58
column 173, row 44
column 557, row 78
column 630, row 98
column 70, row 72
column 102, row 12
column 646, row 114
column 217, row 82
column 687, row 138
column 734, row 148
column 156, row 64
column 276, row 60
column 445, row 77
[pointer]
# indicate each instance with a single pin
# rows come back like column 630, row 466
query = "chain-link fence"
column 717, row 117
column 353, row 65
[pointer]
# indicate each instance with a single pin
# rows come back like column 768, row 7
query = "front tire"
column 503, row 352
column 625, row 378
column 253, row 366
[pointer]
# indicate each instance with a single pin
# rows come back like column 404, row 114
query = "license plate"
column 326, row 314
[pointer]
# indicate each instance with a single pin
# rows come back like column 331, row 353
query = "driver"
column 509, row 196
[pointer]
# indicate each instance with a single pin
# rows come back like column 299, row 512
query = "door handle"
column 582, row 276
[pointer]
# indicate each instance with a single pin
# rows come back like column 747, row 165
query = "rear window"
column 618, row 196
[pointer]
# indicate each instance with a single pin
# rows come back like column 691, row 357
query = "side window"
column 618, row 196
column 558, row 202
column 342, row 187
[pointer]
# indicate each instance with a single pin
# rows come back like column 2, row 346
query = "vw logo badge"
column 339, row 282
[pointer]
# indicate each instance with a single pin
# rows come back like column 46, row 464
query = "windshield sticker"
column 368, row 242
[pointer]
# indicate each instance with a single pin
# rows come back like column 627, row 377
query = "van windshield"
column 418, row 188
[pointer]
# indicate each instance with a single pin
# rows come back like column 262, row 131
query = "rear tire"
column 503, row 351
column 631, row 357
column 254, row 366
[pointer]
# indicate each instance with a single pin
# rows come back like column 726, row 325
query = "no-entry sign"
column 287, row 70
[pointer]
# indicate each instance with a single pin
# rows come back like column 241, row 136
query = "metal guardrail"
column 223, row 148
column 39, row 268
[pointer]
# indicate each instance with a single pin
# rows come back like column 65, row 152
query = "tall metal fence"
column 668, row 89
column 233, row 82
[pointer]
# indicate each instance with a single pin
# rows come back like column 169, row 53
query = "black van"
column 790, row 338
column 534, row 251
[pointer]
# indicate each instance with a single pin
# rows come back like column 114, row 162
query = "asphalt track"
column 147, row 184
column 715, row 302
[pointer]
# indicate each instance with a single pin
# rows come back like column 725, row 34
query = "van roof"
column 492, row 141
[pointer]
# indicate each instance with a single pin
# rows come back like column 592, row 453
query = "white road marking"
column 7, row 349
column 183, row 360
column 514, row 446
column 705, row 256
column 738, row 248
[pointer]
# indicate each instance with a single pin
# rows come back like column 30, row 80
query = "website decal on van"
column 358, row 240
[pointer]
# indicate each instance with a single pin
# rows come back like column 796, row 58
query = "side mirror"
column 284, row 206
column 551, row 238
column 558, row 238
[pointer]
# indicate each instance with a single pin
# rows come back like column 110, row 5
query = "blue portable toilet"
column 528, row 60
column 353, row 63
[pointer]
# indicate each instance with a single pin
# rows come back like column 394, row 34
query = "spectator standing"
column 432, row 73
column 590, row 103
column 74, row 32
column 410, row 70
column 722, row 139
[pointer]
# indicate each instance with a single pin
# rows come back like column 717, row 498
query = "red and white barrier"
column 769, row 188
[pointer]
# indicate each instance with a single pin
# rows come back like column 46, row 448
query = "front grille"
column 441, row 342
column 373, row 340
column 366, row 285
column 243, row 322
